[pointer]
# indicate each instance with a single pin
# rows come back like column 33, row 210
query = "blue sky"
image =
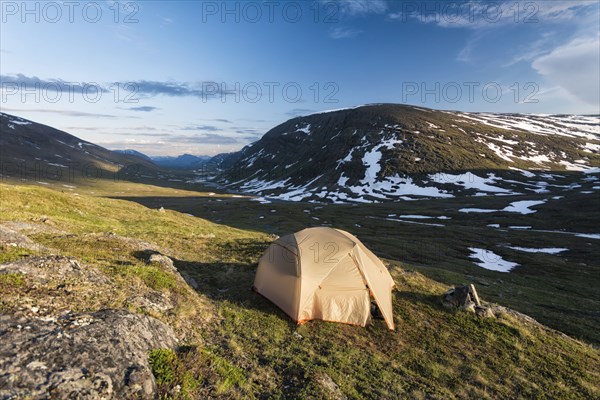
column 167, row 78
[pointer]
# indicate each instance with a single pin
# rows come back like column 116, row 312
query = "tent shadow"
column 431, row 300
column 228, row 282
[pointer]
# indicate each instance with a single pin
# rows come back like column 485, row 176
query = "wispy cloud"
column 490, row 15
column 144, row 108
column 557, row 66
column 209, row 138
column 205, row 90
column 102, row 130
column 226, row 121
column 143, row 128
column 343, row 33
column 139, row 89
column 358, row 7
column 17, row 81
column 69, row 113
column 117, row 133
column 209, row 128
column 529, row 51
column 250, row 131
column 166, row 20
column 83, row 128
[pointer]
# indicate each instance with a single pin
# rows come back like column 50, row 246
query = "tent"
column 327, row 274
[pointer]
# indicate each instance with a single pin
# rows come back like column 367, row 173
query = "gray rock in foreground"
column 100, row 355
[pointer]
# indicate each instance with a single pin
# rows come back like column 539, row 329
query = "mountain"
column 184, row 161
column 136, row 153
column 224, row 160
column 384, row 152
column 32, row 151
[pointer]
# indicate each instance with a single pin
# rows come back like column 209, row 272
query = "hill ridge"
column 387, row 152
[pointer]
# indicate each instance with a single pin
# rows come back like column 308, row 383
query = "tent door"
column 343, row 295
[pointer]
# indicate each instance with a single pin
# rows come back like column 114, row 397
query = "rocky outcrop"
column 61, row 268
column 13, row 238
column 466, row 298
column 100, row 355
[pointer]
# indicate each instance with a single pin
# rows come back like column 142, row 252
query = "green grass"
column 10, row 254
column 190, row 368
column 236, row 344
column 12, row 281
column 164, row 364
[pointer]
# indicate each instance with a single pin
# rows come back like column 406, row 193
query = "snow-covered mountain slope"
column 36, row 152
column 387, row 151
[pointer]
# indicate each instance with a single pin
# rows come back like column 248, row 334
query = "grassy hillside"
column 236, row 344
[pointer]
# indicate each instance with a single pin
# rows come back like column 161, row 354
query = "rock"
column 152, row 301
column 468, row 306
column 466, row 298
column 485, row 312
column 13, row 238
column 190, row 281
column 329, row 386
column 90, row 355
column 43, row 269
column 457, row 297
column 30, row 228
column 162, row 260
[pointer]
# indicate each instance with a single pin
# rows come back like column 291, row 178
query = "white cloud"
column 574, row 67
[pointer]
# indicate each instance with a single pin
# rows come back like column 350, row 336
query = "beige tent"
column 327, row 274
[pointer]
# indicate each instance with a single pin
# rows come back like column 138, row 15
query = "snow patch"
column 547, row 250
column 490, row 260
column 522, row 207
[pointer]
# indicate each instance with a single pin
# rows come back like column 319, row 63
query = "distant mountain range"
column 388, row 151
column 184, row 161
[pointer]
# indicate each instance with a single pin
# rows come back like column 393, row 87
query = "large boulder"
column 466, row 298
column 100, row 355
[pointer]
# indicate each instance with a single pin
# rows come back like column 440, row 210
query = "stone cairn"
column 466, row 298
